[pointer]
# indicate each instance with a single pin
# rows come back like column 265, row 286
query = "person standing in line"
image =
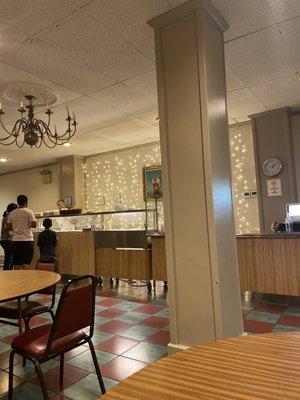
column 21, row 222
column 47, row 241
column 6, row 238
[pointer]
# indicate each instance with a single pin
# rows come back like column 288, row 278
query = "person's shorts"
column 22, row 252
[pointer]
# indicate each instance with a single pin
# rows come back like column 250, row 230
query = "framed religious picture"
column 152, row 180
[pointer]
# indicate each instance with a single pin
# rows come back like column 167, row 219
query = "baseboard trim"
column 174, row 348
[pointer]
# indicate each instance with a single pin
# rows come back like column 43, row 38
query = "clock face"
column 272, row 166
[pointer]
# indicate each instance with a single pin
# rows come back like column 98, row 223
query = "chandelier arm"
column 7, row 144
column 47, row 145
column 17, row 127
column 2, row 125
column 70, row 132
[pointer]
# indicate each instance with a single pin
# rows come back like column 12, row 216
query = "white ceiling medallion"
column 15, row 92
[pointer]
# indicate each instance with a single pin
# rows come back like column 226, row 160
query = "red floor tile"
column 9, row 339
column 161, row 337
column 148, row 309
column 121, row 368
column 289, row 320
column 110, row 313
column 71, row 375
column 155, row 322
column 116, row 345
column 4, row 359
column 108, row 302
column 37, row 321
column 257, row 326
column 270, row 308
column 115, row 327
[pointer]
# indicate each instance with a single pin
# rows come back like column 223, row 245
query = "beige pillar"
column 71, row 180
column 204, row 293
column 273, row 138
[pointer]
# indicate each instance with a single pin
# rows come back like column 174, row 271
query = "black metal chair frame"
column 22, row 317
column 37, row 361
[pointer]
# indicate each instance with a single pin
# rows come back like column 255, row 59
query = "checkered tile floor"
column 131, row 331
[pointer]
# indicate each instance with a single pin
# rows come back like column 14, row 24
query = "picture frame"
column 152, row 183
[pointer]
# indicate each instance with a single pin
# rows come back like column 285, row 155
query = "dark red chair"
column 29, row 308
column 73, row 326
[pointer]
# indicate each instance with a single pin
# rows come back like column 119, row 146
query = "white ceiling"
column 98, row 57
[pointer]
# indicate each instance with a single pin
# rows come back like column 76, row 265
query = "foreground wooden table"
column 16, row 284
column 259, row 367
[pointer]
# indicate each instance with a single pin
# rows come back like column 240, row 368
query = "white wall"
column 29, row 182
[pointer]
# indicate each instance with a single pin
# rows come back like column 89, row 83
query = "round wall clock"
column 272, row 167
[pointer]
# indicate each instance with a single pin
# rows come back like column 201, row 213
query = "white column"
column 204, row 294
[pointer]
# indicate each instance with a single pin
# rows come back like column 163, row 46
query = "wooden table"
column 16, row 284
column 21, row 283
column 258, row 367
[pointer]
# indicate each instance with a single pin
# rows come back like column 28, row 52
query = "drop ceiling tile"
column 284, row 9
column 259, row 57
column 33, row 16
column 10, row 37
column 280, row 92
column 80, row 3
column 96, row 46
column 131, row 22
column 233, row 82
column 126, row 100
column 145, row 84
column 90, row 114
column 151, row 119
column 129, row 131
column 290, row 31
column 242, row 103
column 10, row 74
column 49, row 63
column 243, row 16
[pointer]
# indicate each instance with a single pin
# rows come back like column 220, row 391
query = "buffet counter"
column 111, row 252
column 269, row 263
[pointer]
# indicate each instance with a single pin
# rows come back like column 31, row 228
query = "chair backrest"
column 76, row 308
column 50, row 267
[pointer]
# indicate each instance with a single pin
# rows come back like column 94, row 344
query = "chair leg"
column 61, row 368
column 41, row 378
column 11, row 376
column 27, row 327
column 98, row 372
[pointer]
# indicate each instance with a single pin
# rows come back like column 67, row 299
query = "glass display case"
column 142, row 219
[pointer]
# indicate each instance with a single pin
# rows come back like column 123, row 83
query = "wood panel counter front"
column 75, row 252
column 269, row 263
